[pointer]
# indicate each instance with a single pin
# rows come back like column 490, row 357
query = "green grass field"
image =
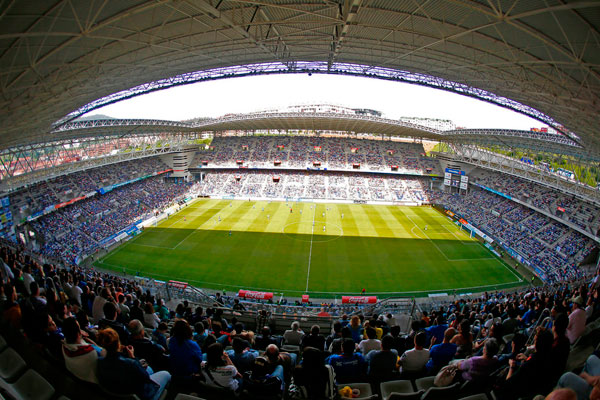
column 321, row 249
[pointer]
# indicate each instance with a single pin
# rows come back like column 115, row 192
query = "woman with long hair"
column 356, row 328
column 218, row 370
column 185, row 354
column 463, row 339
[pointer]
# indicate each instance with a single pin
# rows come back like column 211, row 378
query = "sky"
column 256, row 93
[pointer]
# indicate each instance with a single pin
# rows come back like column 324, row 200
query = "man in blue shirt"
column 441, row 354
column 349, row 366
column 436, row 330
column 382, row 363
column 241, row 355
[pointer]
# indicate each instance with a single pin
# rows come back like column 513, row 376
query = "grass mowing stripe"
column 312, row 235
column 377, row 251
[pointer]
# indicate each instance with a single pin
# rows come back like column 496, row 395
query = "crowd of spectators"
column 329, row 152
column 66, row 187
column 114, row 332
column 576, row 211
column 544, row 243
column 319, row 185
column 81, row 227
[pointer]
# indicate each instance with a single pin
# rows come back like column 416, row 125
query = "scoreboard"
column 456, row 178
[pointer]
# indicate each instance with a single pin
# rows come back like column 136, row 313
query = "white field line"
column 149, row 245
column 195, row 230
column 440, row 250
column 428, row 238
column 301, row 291
column 312, row 232
column 505, row 265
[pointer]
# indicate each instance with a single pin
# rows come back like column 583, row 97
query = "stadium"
column 302, row 251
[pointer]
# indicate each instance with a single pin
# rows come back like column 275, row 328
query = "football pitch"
column 324, row 250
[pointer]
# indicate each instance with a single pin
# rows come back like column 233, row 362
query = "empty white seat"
column 31, row 386
column 181, row 396
column 398, row 386
column 424, row 383
column 11, row 365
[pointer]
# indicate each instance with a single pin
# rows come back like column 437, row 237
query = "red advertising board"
column 177, row 284
column 359, row 299
column 249, row 294
column 305, row 298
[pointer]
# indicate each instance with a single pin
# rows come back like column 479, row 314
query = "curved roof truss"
column 58, row 56
column 320, row 68
column 325, row 121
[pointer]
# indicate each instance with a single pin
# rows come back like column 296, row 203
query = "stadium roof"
column 325, row 121
column 540, row 57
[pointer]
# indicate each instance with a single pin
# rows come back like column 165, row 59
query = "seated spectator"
column 144, row 348
column 123, row 310
column 336, row 334
column 159, row 335
column 495, row 332
column 200, row 333
column 239, row 331
column 119, row 372
column 517, row 346
column 286, row 360
column 583, row 383
column 480, row 366
column 382, row 363
column 218, row 370
column 11, row 311
column 463, row 339
column 110, row 321
column 315, row 339
column 263, row 380
column 371, row 343
column 264, row 339
column 312, row 376
column 136, row 312
column 185, row 355
column 510, row 324
column 561, row 347
column 413, row 361
column 242, row 355
column 293, row 336
column 441, row 354
column 577, row 320
column 533, row 375
column 80, row 355
column 349, row 366
column 356, row 328
column 161, row 310
column 151, row 320
column 399, row 340
column 437, row 330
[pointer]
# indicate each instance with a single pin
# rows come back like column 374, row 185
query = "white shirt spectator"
column 414, row 360
column 97, row 308
column 365, row 346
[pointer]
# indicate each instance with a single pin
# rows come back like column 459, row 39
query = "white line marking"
column 197, row 229
column 440, row 250
column 149, row 245
column 220, row 284
column 312, row 232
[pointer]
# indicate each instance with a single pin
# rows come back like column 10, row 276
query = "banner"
column 359, row 299
column 249, row 294
column 493, row 191
column 305, row 298
column 177, row 284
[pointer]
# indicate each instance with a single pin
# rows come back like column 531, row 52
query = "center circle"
column 332, row 231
